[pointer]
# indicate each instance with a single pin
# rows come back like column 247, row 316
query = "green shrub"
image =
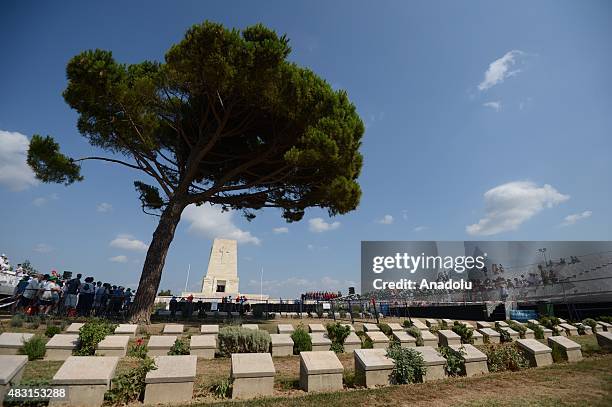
column 386, row 329
column 138, row 349
column 454, row 361
column 557, row 353
column 366, row 343
column 549, row 322
column 416, row 332
column 538, row 332
column 235, row 339
column 180, row 347
column 342, row 313
column 91, row 334
column 406, row 323
column 607, row 319
column 434, row 330
column 463, row 331
column 17, row 321
column 504, row 357
column 517, row 327
column 590, row 322
column 301, row 340
column 34, row 348
column 32, row 322
column 443, row 325
column 409, row 365
column 129, row 386
column 52, row 330
column 337, row 333
column 222, row 389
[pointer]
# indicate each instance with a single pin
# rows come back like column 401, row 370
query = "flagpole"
column 261, row 286
column 187, row 281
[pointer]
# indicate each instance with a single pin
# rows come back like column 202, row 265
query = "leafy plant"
column 180, row 347
column 557, row 353
column 222, row 389
column 235, row 339
column 606, row 318
column 504, row 336
column 90, row 334
column 581, row 329
column 517, row 327
column 301, row 340
column 504, row 357
column 17, row 321
column 416, row 332
column 463, row 331
column 407, row 323
column 337, row 347
column 386, row 329
column 342, row 313
column 52, row 330
column 549, row 322
column 34, row 348
column 409, row 364
column 443, row 325
column 434, row 330
column 454, row 360
column 138, row 349
column 538, row 332
column 590, row 322
column 129, row 386
column 337, row 332
column 32, row 321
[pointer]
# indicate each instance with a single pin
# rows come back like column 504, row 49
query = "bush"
column 52, row 330
column 32, row 322
column 607, row 319
column 386, row 329
column 337, row 333
column 235, row 339
column 557, row 353
column 138, row 349
column 454, row 361
column 406, row 323
column 537, row 330
column 517, row 327
column 504, row 336
column 590, row 322
column 17, row 321
column 301, row 340
column 91, row 334
column 180, row 347
column 34, row 348
column 129, row 386
column 549, row 322
column 463, row 331
column 342, row 314
column 504, row 357
column 366, row 343
column 416, row 332
column 409, row 365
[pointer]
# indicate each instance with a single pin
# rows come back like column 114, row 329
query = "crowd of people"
column 52, row 294
column 321, row 295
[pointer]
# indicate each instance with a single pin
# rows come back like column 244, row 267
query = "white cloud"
column 42, row 200
column 280, row 230
column 212, row 222
column 104, row 207
column 15, row 173
column 500, row 69
column 43, row 248
column 420, row 228
column 128, row 242
column 405, row 214
column 318, row 225
column 119, row 259
column 507, row 206
column 497, row 106
column 386, row 220
column 572, row 219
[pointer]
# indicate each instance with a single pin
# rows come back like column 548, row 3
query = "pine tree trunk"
column 142, row 307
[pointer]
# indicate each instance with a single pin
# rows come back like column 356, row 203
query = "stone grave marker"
column 490, row 335
column 529, row 334
column 429, row 339
column 127, row 329
column 172, row 381
column 253, row 375
column 320, row 371
column 251, row 326
column 570, row 350
column 474, row 361
column 74, row 328
column 351, row 343
column 477, row 338
column 483, row 324
column 420, row 325
column 570, row 330
column 316, row 328
column 285, row 329
column 173, row 329
column 212, row 329
column 379, row 339
column 446, row 337
column 11, row 342
column 395, row 327
column 282, row 345
column 320, row 341
column 11, row 370
column 604, row 339
column 60, row 347
column 431, row 322
column 203, row 346
column 536, row 352
column 434, row 362
column 373, row 367
column 159, row 345
column 87, row 378
column 406, row 341
column 113, row 345
column 370, row 328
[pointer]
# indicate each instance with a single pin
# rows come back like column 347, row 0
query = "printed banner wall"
column 450, row 271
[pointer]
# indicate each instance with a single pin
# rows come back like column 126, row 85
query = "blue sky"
column 484, row 120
